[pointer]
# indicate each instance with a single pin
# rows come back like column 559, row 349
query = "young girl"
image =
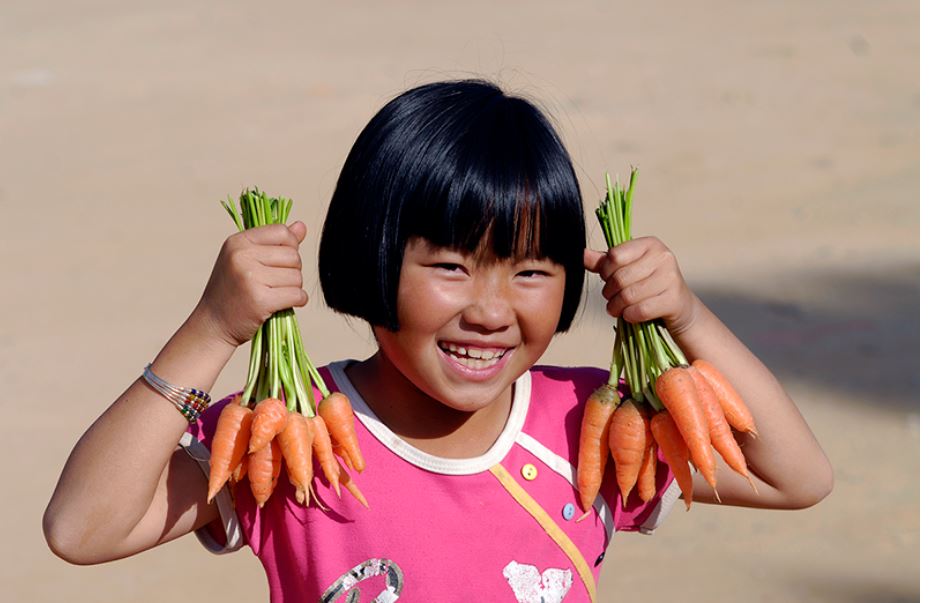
column 456, row 231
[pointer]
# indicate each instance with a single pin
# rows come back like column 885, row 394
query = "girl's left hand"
column 643, row 282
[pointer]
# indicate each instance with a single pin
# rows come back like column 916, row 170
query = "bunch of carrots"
column 685, row 410
column 276, row 416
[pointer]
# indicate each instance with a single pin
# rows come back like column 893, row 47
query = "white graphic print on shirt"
column 346, row 584
column 529, row 587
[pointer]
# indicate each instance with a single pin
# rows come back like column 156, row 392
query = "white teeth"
column 476, row 358
column 474, row 363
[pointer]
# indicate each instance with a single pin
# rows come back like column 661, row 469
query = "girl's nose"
column 490, row 308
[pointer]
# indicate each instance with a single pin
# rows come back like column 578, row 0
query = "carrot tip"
column 583, row 515
column 752, row 484
column 717, row 496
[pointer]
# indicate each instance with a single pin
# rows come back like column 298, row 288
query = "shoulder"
column 557, row 397
column 566, row 383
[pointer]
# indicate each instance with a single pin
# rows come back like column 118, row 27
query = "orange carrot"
column 593, row 448
column 734, row 408
column 270, row 420
column 721, row 437
column 340, row 421
column 676, row 452
column 341, row 453
column 627, row 442
column 229, row 444
column 242, row 470
column 264, row 467
column 351, row 486
column 296, row 444
column 676, row 390
column 323, row 450
column 276, row 457
column 646, row 480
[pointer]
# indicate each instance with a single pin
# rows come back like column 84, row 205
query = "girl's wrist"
column 195, row 355
column 202, row 324
column 686, row 321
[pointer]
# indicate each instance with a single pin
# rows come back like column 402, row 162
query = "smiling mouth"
column 472, row 357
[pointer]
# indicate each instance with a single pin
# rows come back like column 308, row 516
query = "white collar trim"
column 436, row 464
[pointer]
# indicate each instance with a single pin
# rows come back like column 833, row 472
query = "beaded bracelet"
column 189, row 401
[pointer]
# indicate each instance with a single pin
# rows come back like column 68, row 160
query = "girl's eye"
column 531, row 273
column 449, row 267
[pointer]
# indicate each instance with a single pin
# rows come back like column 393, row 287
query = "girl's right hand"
column 257, row 273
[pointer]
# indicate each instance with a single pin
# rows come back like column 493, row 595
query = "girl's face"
column 468, row 329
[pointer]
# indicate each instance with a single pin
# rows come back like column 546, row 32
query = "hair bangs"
column 502, row 195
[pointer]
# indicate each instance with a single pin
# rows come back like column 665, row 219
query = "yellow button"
column 529, row 472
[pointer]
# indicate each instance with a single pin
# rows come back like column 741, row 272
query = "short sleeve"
column 224, row 535
column 643, row 516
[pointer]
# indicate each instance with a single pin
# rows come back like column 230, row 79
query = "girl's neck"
column 422, row 421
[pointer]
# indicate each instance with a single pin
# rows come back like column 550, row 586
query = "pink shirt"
column 499, row 527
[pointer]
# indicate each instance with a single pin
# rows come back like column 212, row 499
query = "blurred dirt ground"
column 778, row 149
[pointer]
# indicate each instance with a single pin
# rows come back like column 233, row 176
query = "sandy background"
column 778, row 147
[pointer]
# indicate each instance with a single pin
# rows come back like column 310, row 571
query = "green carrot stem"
column 230, row 206
column 284, row 364
column 317, row 379
column 250, row 206
column 654, row 350
column 628, row 210
column 629, row 363
column 653, row 399
column 277, row 359
column 616, row 225
column 636, row 367
column 616, row 359
column 274, row 355
column 303, row 403
column 261, row 391
column 254, row 360
column 303, row 369
column 676, row 352
column 640, row 359
column 287, row 382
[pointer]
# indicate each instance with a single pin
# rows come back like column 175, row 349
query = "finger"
column 299, row 229
column 287, row 297
column 298, row 296
column 282, row 277
column 644, row 289
column 630, row 274
column 650, row 308
column 278, row 256
column 622, row 255
column 593, row 260
column 272, row 234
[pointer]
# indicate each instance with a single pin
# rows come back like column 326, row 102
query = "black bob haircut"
column 460, row 164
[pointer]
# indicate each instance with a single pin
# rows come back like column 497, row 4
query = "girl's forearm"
column 787, row 455
column 110, row 478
